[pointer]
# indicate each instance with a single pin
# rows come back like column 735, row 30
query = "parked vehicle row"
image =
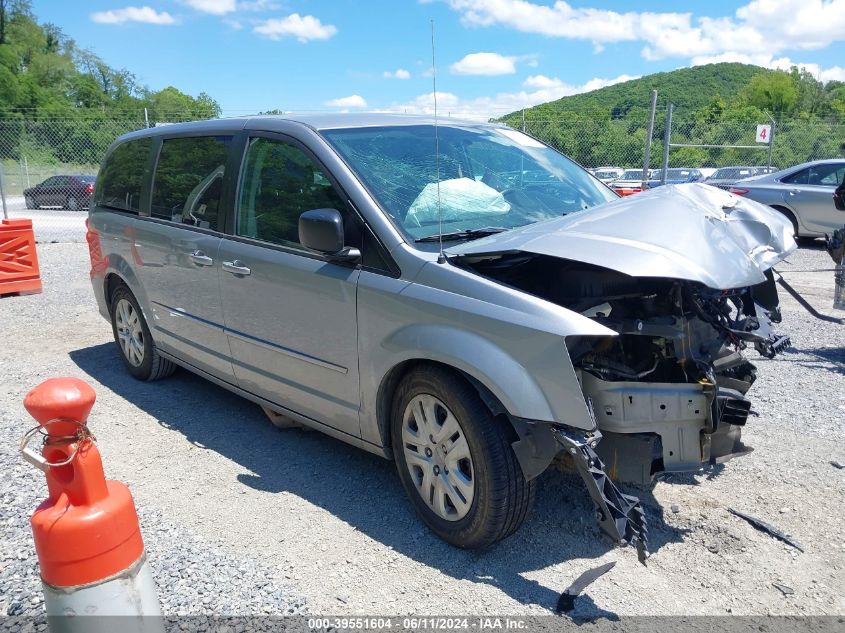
column 470, row 311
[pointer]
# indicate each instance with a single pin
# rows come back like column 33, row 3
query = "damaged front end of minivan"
column 683, row 276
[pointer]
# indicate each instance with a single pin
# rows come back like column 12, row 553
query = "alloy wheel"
column 130, row 334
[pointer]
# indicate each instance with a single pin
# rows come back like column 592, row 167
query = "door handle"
column 201, row 259
column 792, row 192
column 236, row 267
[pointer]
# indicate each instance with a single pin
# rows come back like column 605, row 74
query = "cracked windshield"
column 490, row 179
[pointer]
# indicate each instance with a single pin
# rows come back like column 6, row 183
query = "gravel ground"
column 200, row 576
column 50, row 225
column 265, row 516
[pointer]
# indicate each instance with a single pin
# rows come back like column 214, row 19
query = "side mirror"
column 321, row 230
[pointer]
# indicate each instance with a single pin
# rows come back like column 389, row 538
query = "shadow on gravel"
column 363, row 490
column 830, row 359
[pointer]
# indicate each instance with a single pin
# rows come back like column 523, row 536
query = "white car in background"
column 607, row 174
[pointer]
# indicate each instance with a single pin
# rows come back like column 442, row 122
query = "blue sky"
column 493, row 56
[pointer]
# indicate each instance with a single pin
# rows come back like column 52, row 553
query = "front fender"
column 479, row 358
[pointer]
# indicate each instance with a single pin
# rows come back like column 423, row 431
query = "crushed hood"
column 690, row 231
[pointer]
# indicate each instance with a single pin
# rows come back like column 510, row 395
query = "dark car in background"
column 724, row 177
column 66, row 192
column 676, row 176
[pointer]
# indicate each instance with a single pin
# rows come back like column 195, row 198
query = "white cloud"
column 234, row 24
column 488, row 64
column 761, row 27
column 257, row 5
column 214, row 7
column 302, row 27
column 399, row 73
column 146, row 15
column 540, row 89
column 352, row 101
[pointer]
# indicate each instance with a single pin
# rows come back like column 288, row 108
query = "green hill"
column 716, row 104
column 689, row 88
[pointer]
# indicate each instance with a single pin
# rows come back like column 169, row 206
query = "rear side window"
column 119, row 183
column 189, row 181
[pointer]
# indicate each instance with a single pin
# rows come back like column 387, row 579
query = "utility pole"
column 647, row 161
column 667, row 138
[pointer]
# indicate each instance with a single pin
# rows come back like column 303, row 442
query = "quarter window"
column 119, row 182
column 279, row 183
column 189, row 181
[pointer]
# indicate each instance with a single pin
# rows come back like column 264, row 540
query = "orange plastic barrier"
column 87, row 530
column 19, row 271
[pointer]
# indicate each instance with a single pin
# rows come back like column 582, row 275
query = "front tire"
column 134, row 342
column 455, row 460
column 29, row 202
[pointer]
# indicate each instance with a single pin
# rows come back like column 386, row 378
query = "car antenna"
column 441, row 258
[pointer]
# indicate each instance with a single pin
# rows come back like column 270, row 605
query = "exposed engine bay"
column 683, row 275
column 669, row 392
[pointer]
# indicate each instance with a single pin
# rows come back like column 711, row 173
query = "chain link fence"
column 595, row 142
column 47, row 166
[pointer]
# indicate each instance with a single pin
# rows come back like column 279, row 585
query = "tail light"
column 89, row 188
column 98, row 263
column 738, row 190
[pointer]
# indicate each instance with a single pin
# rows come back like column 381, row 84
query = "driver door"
column 290, row 314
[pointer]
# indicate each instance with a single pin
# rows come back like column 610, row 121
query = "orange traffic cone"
column 86, row 533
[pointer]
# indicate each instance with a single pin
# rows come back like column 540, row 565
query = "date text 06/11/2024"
column 415, row 623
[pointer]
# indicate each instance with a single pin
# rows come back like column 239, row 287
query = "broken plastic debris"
column 768, row 529
column 566, row 602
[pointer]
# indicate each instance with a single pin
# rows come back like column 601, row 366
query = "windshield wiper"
column 462, row 235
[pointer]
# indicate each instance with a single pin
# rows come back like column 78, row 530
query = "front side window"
column 488, row 177
column 120, row 179
column 279, row 183
column 189, row 181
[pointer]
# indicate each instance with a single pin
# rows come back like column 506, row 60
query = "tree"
column 775, row 92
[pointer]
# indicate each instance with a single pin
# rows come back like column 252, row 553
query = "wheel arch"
column 790, row 215
column 391, row 380
column 119, row 273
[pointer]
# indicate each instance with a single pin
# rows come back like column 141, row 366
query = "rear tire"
column 134, row 343
column 438, row 410
column 72, row 204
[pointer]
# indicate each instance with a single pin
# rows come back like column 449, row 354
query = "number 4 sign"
column 764, row 133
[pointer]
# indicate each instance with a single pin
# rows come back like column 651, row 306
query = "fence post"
column 647, row 161
column 667, row 138
column 3, row 192
column 771, row 138
column 523, row 120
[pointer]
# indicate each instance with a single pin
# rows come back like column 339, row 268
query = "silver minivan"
column 458, row 297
